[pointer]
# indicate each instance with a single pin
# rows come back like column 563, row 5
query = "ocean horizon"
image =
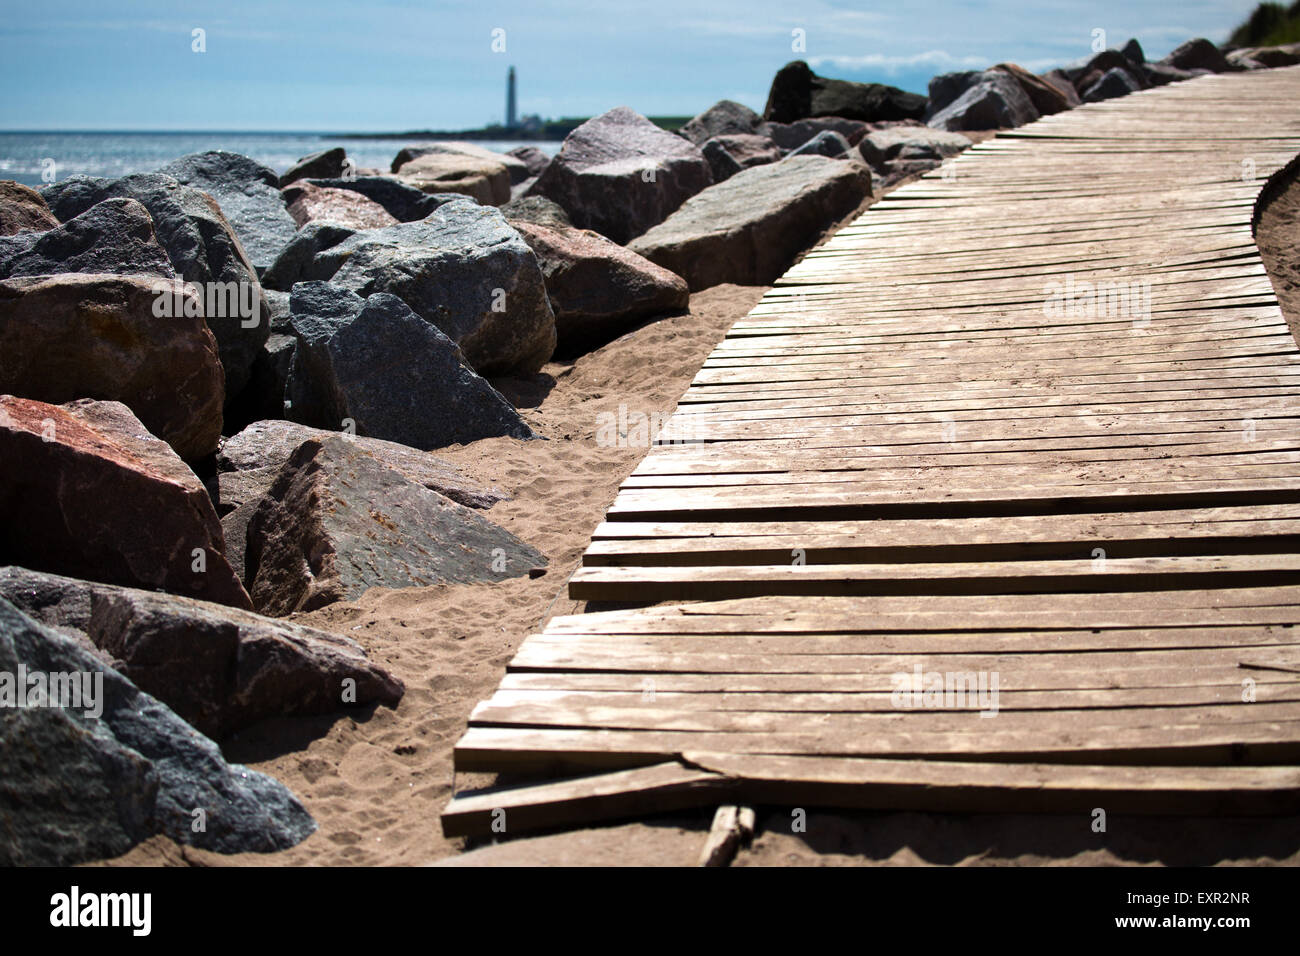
column 38, row 157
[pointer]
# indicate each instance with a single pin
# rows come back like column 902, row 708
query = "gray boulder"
column 790, row 136
column 337, row 522
column 995, row 101
column 463, row 270
column 945, row 88
column 536, row 209
column 910, row 143
column 115, row 237
column 76, row 788
column 202, row 249
column 249, row 195
column 826, row 143
column 729, row 154
column 1111, row 84
column 327, row 164
column 219, row 669
column 1061, row 81
column 377, row 364
column 619, row 174
column 749, row 229
column 300, row 260
column 724, row 118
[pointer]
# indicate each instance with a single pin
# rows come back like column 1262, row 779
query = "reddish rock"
column 23, row 210
column 308, row 203
column 1047, row 99
column 86, row 491
column 458, row 168
column 100, row 336
column 596, row 285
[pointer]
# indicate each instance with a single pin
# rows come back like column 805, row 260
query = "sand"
column 376, row 783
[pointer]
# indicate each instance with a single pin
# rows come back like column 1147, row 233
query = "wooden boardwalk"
column 928, row 455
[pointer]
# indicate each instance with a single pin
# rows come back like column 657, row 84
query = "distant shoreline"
column 550, row 130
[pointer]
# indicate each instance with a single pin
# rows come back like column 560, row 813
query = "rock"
column 459, row 168
column 596, row 285
column 219, row 669
column 728, row 155
column 798, row 93
column 995, row 101
column 115, row 237
column 1103, row 62
column 946, row 88
column 202, row 249
column 300, row 260
column 267, row 445
column 404, row 203
column 620, row 174
column 465, row 271
column 534, row 161
column 921, row 143
column 278, row 303
column 826, row 143
column 327, row 164
column 536, row 209
column 346, row 207
column 249, row 195
column 264, row 395
column 64, row 337
column 1047, row 99
column 86, row 491
column 790, row 136
column 337, row 522
column 1269, row 57
column 1132, row 51
column 723, row 118
column 76, row 788
column 376, row 363
column 1198, row 54
column 1114, row 82
column 23, row 210
column 748, row 229
column 1063, row 84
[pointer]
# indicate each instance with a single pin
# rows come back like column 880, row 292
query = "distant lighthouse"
column 511, row 120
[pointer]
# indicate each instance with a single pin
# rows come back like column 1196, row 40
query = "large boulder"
column 77, row 785
column 826, row 143
column 327, row 164
column 748, row 229
column 790, row 136
column 463, row 270
column 301, row 259
column 1267, row 57
column 337, row 522
column 64, row 337
column 1111, row 84
column 459, row 168
column 620, row 174
column 346, row 207
column 86, row 491
column 729, row 154
column 1047, row 99
column 945, row 88
column 994, row 101
column 597, row 286
column 1105, row 61
column 249, row 195
column 910, row 143
column 218, row 668
column 1198, row 54
column 23, row 210
column 724, row 118
column 202, row 248
column 799, row 93
column 392, row 375
column 265, row 446
column 114, row 237
column 1061, row 82
column 404, row 203
column 536, row 209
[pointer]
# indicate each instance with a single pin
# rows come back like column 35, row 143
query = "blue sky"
column 389, row 65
